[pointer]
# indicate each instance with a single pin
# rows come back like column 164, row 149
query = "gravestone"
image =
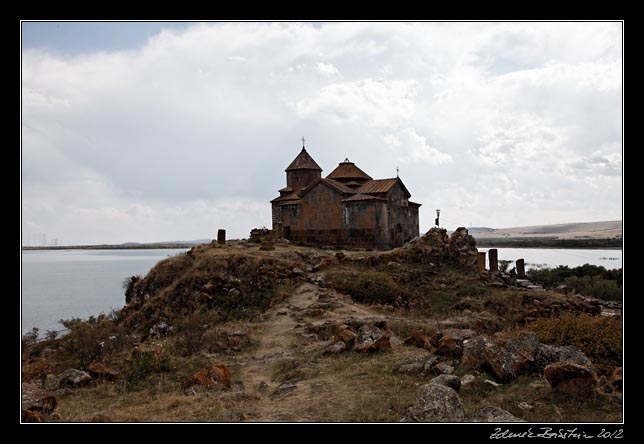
column 494, row 259
column 520, row 269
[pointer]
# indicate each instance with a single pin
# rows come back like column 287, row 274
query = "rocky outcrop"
column 508, row 358
column 451, row 343
column 101, row 371
column 474, row 352
column 451, row 381
column 571, row 379
column 549, row 354
column 435, row 403
column 371, row 338
column 460, row 246
column 74, row 378
column 217, row 376
column 495, row 414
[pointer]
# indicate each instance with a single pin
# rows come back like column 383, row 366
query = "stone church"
column 346, row 208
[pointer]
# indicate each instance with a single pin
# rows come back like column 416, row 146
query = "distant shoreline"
column 114, row 247
column 589, row 244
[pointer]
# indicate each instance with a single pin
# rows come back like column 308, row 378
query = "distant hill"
column 579, row 230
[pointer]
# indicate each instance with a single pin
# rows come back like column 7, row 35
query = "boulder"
column 443, row 369
column 334, row 348
column 549, row 354
column 435, row 403
column 495, row 414
column 415, row 368
column 371, row 338
column 506, row 359
column 570, row 378
column 101, row 371
column 217, row 376
column 616, row 379
column 345, row 334
column 30, row 416
column 451, row 381
column 418, row 338
column 74, row 378
column 51, row 383
column 451, row 343
column 429, row 365
column 474, row 352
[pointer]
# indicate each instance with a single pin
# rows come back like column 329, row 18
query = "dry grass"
column 546, row 405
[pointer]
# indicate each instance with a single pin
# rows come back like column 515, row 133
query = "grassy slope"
column 343, row 387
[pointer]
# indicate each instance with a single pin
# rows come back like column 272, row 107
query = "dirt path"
column 265, row 370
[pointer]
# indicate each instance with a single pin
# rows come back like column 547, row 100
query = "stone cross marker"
column 520, row 269
column 494, row 259
column 481, row 261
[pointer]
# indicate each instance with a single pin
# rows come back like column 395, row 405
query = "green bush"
column 374, row 287
column 595, row 286
column 587, row 279
column 599, row 337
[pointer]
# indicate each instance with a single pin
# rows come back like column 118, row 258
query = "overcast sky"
column 168, row 131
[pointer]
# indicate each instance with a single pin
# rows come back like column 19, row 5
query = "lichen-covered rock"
column 74, row 378
column 451, row 381
column 451, row 343
column 101, row 371
column 506, row 359
column 549, row 354
column 217, row 376
column 414, row 368
column 435, row 403
column 474, row 352
column 372, row 338
column 569, row 378
column 495, row 414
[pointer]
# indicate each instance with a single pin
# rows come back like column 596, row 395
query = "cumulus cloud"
column 410, row 147
column 498, row 124
column 367, row 102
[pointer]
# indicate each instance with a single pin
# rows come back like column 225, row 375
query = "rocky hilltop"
column 277, row 332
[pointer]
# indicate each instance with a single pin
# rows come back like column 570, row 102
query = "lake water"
column 80, row 283
column 552, row 257
column 62, row 284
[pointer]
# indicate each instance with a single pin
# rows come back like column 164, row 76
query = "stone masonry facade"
column 346, row 208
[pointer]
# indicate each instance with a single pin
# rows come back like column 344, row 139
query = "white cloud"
column 499, row 124
column 327, row 69
column 386, row 103
column 410, row 147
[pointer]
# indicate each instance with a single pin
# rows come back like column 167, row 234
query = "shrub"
column 595, row 286
column 89, row 340
column 599, row 337
column 374, row 287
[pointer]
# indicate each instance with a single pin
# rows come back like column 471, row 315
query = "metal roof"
column 377, row 186
column 363, row 197
column 348, row 170
column 303, row 161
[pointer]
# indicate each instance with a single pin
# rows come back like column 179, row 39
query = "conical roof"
column 348, row 170
column 303, row 161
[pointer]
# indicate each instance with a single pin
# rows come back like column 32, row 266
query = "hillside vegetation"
column 234, row 333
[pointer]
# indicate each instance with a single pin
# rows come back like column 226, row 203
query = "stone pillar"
column 221, row 237
column 481, row 261
column 494, row 259
column 520, row 269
